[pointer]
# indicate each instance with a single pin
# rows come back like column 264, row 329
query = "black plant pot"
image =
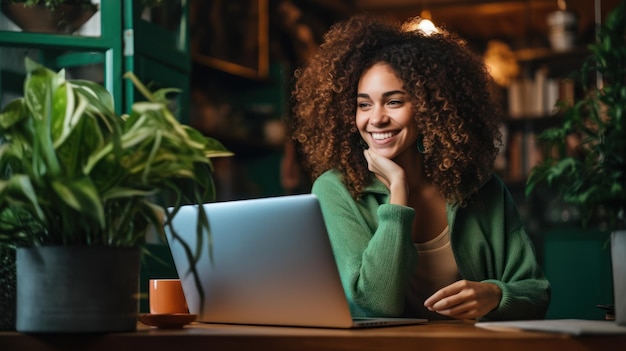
column 7, row 289
column 75, row 289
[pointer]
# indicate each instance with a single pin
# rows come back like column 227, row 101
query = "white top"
column 436, row 268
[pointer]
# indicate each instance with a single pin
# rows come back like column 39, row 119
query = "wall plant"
column 592, row 176
column 53, row 4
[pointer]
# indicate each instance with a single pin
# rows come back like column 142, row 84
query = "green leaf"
column 19, row 189
column 81, row 195
column 161, row 94
column 99, row 99
column 213, row 148
column 140, row 86
column 121, row 192
column 14, row 112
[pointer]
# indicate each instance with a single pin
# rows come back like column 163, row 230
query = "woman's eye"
column 362, row 105
column 395, row 102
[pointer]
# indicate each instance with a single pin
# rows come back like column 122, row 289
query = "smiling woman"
column 419, row 225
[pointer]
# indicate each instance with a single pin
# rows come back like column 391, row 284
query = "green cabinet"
column 121, row 36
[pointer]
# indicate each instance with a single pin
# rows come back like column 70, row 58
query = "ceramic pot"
column 65, row 19
column 618, row 259
column 74, row 289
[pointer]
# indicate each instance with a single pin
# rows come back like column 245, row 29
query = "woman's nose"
column 378, row 117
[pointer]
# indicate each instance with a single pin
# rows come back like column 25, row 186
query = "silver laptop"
column 272, row 264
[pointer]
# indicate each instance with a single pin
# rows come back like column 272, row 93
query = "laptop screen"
column 272, row 264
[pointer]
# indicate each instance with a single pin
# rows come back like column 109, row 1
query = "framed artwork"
column 232, row 36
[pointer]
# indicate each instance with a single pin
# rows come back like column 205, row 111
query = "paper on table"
column 568, row 326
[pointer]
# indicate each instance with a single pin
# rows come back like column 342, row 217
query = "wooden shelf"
column 546, row 54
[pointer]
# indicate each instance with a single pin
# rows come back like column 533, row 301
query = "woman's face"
column 383, row 114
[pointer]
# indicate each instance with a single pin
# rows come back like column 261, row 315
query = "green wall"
column 578, row 264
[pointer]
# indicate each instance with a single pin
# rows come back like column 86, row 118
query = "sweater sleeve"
column 372, row 247
column 504, row 255
column 525, row 289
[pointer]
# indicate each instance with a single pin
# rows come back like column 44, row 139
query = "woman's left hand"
column 465, row 299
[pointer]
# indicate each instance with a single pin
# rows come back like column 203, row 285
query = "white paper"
column 567, row 326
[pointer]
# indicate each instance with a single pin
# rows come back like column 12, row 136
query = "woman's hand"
column 390, row 174
column 465, row 299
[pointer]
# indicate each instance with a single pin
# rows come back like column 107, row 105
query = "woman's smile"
column 383, row 136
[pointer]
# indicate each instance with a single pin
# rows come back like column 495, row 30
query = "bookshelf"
column 546, row 79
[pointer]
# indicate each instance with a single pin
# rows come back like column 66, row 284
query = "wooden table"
column 432, row 336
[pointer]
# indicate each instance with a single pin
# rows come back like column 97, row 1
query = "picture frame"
column 231, row 36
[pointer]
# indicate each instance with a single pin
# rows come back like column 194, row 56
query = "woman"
column 399, row 130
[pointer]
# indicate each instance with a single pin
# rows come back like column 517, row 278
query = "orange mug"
column 166, row 297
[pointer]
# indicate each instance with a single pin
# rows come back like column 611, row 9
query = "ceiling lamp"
column 426, row 24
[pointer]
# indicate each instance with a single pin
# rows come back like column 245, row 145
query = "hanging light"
column 426, row 24
column 422, row 23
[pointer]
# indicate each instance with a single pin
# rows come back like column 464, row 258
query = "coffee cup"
column 166, row 297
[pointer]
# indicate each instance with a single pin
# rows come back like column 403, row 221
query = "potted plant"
column 592, row 175
column 78, row 182
column 49, row 16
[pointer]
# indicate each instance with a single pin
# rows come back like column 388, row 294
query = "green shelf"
column 126, row 43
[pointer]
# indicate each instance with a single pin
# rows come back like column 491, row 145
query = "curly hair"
column 450, row 90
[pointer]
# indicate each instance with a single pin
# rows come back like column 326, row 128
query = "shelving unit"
column 105, row 48
column 122, row 36
column 545, row 80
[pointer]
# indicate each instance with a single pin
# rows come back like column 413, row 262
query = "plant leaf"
column 81, row 195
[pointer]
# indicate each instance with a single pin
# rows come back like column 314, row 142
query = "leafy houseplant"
column 53, row 4
column 592, row 177
column 49, row 16
column 75, row 174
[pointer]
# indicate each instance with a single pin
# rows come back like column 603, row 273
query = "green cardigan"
column 376, row 257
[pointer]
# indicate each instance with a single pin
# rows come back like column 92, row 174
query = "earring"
column 363, row 144
column 420, row 144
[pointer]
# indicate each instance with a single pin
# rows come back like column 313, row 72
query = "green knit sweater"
column 376, row 257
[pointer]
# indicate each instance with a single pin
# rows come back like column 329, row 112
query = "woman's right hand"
column 391, row 174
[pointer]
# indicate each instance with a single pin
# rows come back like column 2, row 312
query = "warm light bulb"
column 427, row 27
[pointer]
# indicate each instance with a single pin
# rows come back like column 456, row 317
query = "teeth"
column 381, row 136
